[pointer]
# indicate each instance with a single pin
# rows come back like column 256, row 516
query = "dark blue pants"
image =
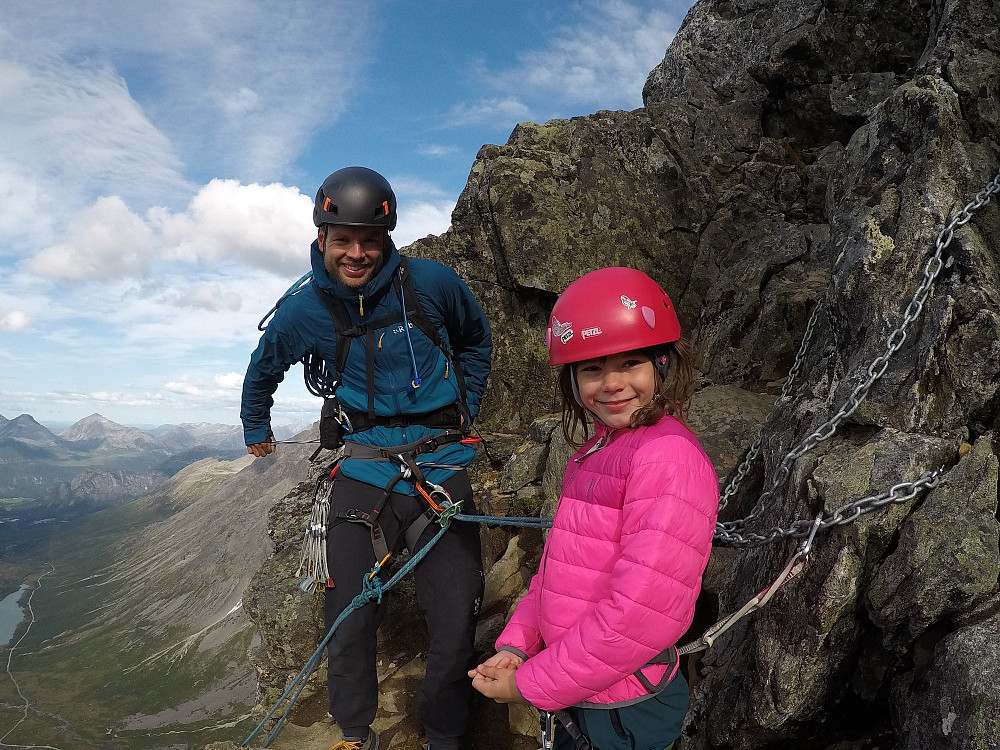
column 449, row 587
column 652, row 724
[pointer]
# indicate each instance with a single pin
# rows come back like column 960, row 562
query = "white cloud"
column 421, row 219
column 210, row 297
column 226, row 223
column 124, row 399
column 24, row 217
column 601, row 59
column 262, row 226
column 231, row 381
column 435, row 149
column 240, row 104
column 251, row 97
column 105, row 240
column 78, row 132
column 505, row 109
column 183, row 388
column 14, row 321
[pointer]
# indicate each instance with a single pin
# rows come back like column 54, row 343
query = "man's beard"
column 356, row 283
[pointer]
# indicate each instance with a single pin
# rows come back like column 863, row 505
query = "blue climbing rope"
column 526, row 521
column 373, row 588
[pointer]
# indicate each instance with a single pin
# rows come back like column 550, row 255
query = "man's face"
column 352, row 255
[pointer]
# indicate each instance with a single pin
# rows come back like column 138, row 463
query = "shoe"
column 371, row 743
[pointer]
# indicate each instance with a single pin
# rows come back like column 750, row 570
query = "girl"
column 622, row 566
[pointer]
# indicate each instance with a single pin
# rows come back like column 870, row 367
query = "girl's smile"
column 614, row 387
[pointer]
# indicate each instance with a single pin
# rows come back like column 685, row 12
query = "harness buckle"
column 356, row 516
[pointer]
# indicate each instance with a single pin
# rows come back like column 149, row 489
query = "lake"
column 11, row 615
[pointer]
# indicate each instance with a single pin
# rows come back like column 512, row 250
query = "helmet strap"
column 660, row 357
column 662, row 364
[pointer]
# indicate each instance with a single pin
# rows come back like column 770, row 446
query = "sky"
column 158, row 163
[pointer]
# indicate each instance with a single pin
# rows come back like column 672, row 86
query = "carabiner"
column 436, row 490
column 548, row 731
column 806, row 547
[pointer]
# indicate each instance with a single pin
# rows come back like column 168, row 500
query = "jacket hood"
column 374, row 285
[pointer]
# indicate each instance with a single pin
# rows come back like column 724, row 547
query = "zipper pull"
column 361, row 304
column 593, row 449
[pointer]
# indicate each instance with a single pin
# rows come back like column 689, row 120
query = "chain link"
column 729, row 532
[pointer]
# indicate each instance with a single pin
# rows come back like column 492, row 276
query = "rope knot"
column 371, row 589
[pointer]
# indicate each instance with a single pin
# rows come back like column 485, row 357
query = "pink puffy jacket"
column 621, row 569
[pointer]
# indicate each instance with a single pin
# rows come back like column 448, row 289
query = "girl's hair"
column 671, row 396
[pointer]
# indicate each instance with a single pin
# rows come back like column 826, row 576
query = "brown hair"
column 671, row 396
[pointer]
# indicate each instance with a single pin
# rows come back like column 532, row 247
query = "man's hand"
column 260, row 449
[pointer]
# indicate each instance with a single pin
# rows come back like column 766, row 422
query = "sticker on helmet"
column 649, row 316
column 629, row 303
column 563, row 330
column 586, row 333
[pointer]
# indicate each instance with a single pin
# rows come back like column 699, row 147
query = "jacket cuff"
column 257, row 435
column 515, row 651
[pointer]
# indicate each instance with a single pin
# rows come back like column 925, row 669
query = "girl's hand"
column 501, row 659
column 497, row 683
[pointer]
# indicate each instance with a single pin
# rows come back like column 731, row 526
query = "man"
column 366, row 335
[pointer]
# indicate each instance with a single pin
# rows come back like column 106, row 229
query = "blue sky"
column 158, row 162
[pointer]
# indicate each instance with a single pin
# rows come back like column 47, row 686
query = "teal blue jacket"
column 302, row 324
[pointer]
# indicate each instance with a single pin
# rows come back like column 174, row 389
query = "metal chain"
column 786, row 392
column 728, row 532
column 845, row 514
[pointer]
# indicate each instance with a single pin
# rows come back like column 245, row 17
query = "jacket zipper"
column 361, row 304
column 601, row 442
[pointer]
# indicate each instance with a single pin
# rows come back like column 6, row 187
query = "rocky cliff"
column 787, row 182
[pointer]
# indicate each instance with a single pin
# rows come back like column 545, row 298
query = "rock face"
column 791, row 170
column 106, row 487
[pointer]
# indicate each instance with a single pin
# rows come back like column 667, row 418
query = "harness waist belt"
column 428, row 444
column 447, row 416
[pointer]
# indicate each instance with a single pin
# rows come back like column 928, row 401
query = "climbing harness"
column 372, row 590
column 314, row 570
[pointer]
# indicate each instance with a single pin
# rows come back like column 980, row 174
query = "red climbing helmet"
column 608, row 311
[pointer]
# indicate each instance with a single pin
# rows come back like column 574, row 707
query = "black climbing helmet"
column 357, row 196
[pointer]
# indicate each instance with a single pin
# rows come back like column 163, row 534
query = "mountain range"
column 96, row 462
column 96, row 431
